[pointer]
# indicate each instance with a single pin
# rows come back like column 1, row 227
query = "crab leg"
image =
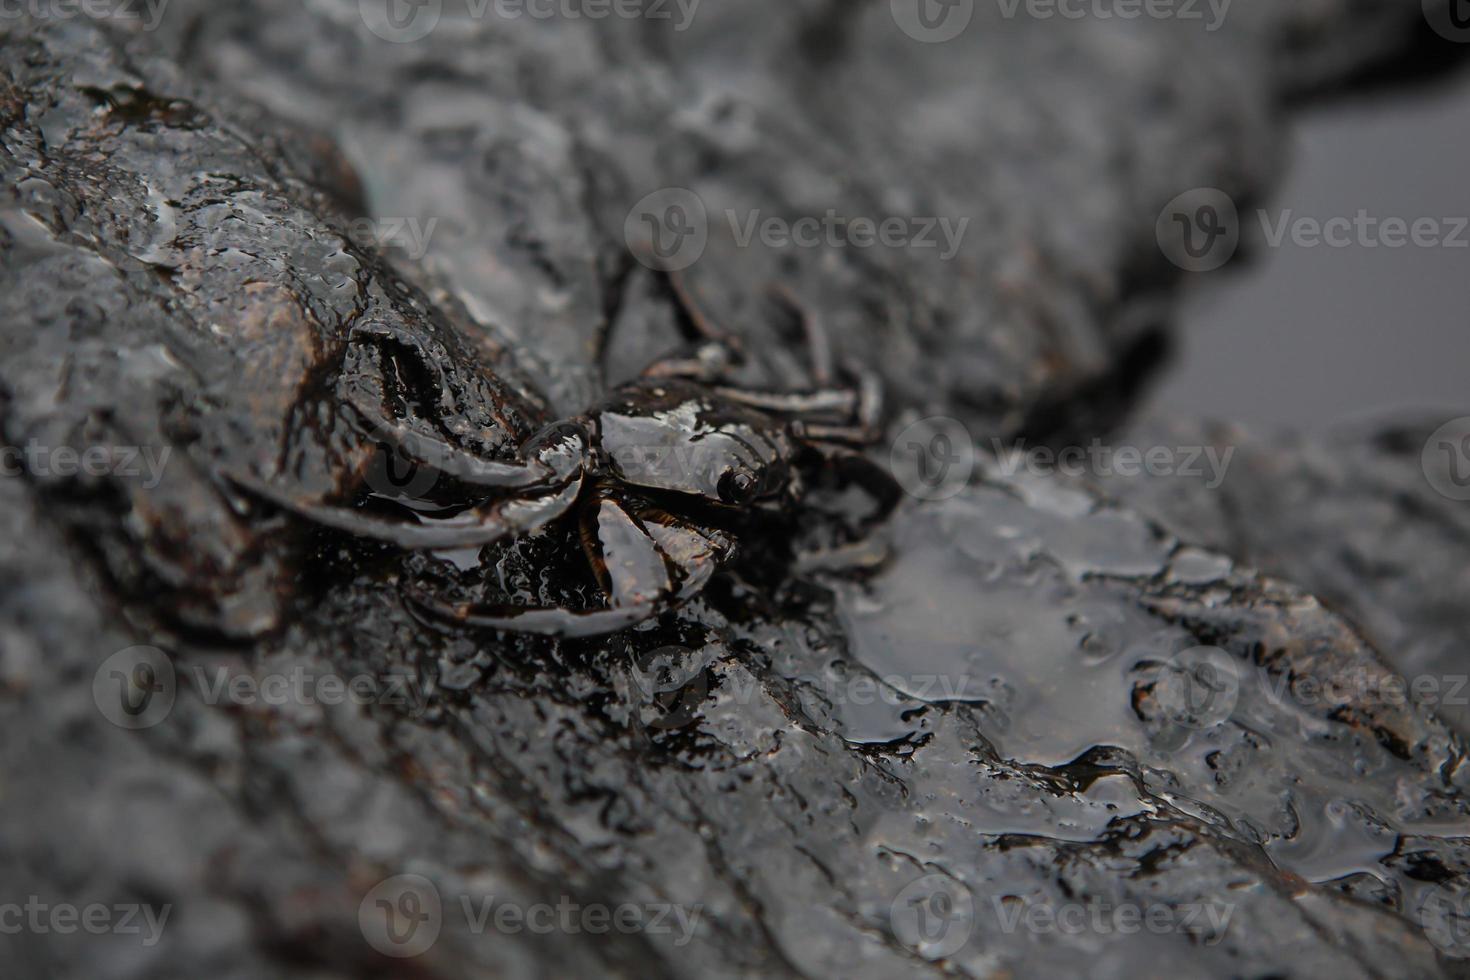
column 438, row 454
column 819, row 345
column 548, row 621
column 636, row 560
column 710, row 363
column 838, row 401
column 703, row 327
column 478, row 526
column 557, row 465
column 558, row 620
column 862, row 404
column 872, row 477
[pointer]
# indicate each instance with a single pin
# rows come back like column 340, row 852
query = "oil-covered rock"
column 1021, row 730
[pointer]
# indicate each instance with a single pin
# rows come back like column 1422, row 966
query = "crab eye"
column 738, row 487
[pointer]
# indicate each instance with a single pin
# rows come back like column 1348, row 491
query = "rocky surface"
column 1359, row 518
column 182, row 294
column 933, row 750
column 1028, row 285
column 1029, row 275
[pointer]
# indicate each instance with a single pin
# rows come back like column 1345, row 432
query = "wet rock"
column 179, row 300
column 1023, row 287
column 1365, row 518
column 1023, row 731
column 1047, row 762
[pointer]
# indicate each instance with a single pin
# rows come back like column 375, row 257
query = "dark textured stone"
column 171, row 285
column 1353, row 517
column 788, row 110
column 983, row 699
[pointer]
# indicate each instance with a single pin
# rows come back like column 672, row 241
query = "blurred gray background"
column 1305, row 338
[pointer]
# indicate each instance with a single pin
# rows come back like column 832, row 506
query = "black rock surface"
column 1047, row 148
column 1360, row 517
column 1015, row 709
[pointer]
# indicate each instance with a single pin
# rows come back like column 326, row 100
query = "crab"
column 654, row 473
